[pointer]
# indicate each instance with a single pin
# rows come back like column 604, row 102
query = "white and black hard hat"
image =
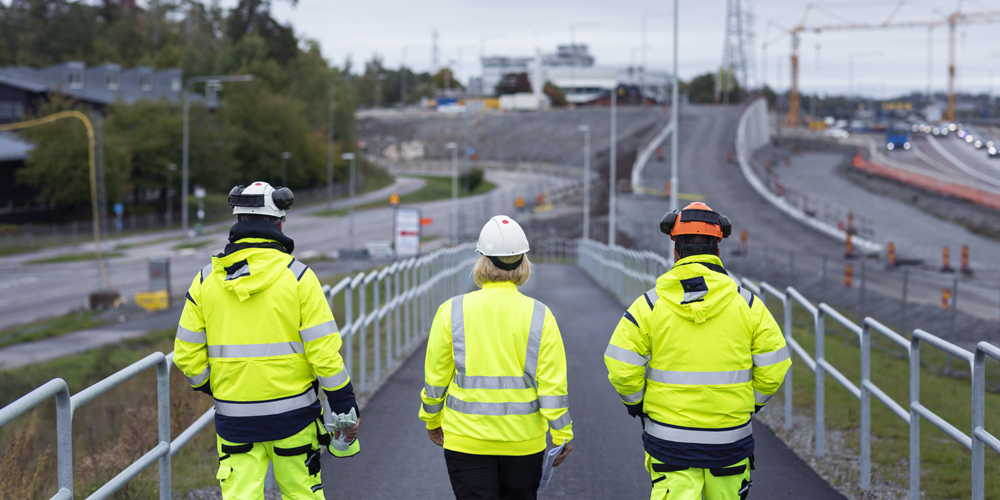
column 502, row 237
column 261, row 198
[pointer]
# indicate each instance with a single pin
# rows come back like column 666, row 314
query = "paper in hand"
column 547, row 467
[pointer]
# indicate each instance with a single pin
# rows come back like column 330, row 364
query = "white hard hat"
column 261, row 198
column 500, row 237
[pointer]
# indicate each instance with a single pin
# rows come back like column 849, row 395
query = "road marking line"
column 958, row 163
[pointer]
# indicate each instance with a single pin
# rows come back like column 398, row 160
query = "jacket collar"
column 257, row 229
column 500, row 285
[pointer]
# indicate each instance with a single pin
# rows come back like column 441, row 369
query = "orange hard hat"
column 696, row 218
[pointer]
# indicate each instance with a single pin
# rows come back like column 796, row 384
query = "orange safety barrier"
column 892, row 254
column 849, row 250
column 946, row 259
column 965, row 258
column 850, row 222
column 659, row 153
column 977, row 196
column 945, row 299
column 848, row 275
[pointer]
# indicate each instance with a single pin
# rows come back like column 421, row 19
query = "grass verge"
column 437, row 188
column 945, row 464
column 192, row 244
column 46, row 328
column 73, row 257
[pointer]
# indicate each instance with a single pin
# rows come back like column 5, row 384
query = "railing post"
column 866, row 406
column 163, row 424
column 398, row 331
column 377, row 331
column 820, row 390
column 64, row 439
column 788, row 374
column 362, row 341
column 914, row 418
column 349, row 318
column 978, row 422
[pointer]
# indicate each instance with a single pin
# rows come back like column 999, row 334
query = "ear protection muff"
column 727, row 227
column 668, row 220
column 283, row 198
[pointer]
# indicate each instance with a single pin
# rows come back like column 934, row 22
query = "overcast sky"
column 613, row 31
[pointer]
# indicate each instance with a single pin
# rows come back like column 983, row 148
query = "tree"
column 445, row 79
column 701, row 90
column 555, row 94
column 513, row 83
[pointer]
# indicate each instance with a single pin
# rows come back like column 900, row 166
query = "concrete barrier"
column 753, row 133
column 929, row 182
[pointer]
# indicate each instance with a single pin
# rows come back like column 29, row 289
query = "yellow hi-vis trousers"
column 726, row 483
column 242, row 467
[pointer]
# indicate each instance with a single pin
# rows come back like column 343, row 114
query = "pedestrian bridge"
column 387, row 312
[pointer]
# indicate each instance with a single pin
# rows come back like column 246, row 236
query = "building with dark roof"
column 21, row 87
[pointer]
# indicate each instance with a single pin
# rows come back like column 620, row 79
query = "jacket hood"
column 697, row 288
column 253, row 260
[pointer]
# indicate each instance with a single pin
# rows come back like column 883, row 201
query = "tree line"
column 284, row 109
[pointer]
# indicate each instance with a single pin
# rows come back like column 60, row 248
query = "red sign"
column 426, row 221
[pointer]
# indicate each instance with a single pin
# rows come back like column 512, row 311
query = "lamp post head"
column 172, row 167
column 451, row 145
column 286, row 155
column 583, row 128
column 347, row 156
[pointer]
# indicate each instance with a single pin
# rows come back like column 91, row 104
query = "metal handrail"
column 416, row 276
column 607, row 265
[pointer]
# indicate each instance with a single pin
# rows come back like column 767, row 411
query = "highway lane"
column 31, row 292
column 399, row 461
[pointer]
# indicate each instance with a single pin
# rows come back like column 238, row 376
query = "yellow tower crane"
column 951, row 20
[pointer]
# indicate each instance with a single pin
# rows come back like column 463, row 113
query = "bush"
column 473, row 178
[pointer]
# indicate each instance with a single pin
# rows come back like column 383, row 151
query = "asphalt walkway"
column 399, row 461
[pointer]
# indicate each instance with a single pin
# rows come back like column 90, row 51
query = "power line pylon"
column 737, row 48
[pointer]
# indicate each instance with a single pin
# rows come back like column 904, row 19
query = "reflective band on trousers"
column 191, row 336
column 626, row 356
column 771, row 358
column 319, row 331
column 200, row 378
column 700, row 378
column 495, row 382
column 336, row 380
column 697, row 436
column 264, row 408
column 494, row 409
column 255, row 350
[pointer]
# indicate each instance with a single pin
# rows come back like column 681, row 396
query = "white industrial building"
column 572, row 69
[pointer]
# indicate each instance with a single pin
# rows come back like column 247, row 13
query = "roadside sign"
column 394, row 199
column 119, row 208
column 199, row 192
column 426, row 221
column 406, row 232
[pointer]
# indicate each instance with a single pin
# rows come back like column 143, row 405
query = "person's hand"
column 562, row 456
column 437, row 436
column 352, row 433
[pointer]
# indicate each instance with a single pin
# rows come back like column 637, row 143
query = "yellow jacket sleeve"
column 550, row 378
column 321, row 340
column 771, row 359
column 190, row 344
column 628, row 355
column 439, row 367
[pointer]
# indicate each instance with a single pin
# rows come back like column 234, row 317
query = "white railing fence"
column 626, row 274
column 403, row 296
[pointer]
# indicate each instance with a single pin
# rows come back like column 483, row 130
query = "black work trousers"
column 494, row 477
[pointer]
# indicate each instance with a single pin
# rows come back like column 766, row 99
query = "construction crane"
column 951, row 20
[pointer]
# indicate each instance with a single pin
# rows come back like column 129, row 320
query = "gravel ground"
column 215, row 493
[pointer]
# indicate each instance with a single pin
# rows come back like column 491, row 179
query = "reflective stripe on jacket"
column 258, row 334
column 698, row 352
column 495, row 374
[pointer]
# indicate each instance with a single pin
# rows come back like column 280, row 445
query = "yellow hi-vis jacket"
column 694, row 356
column 495, row 374
column 256, row 333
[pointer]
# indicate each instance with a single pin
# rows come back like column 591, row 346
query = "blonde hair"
column 485, row 272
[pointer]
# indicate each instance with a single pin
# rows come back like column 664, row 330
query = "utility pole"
column 454, row 191
column 402, row 80
column 350, row 206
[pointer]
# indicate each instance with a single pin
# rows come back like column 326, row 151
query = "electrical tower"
column 737, row 49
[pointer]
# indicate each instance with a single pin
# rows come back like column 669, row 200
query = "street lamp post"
column 215, row 80
column 613, row 181
column 284, row 167
column 350, row 204
column 674, row 118
column 454, row 191
column 586, row 180
column 642, row 73
column 850, row 66
column 170, row 201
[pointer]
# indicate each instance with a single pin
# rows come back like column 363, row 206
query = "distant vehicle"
column 992, row 152
column 837, row 133
column 978, row 144
column 897, row 137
